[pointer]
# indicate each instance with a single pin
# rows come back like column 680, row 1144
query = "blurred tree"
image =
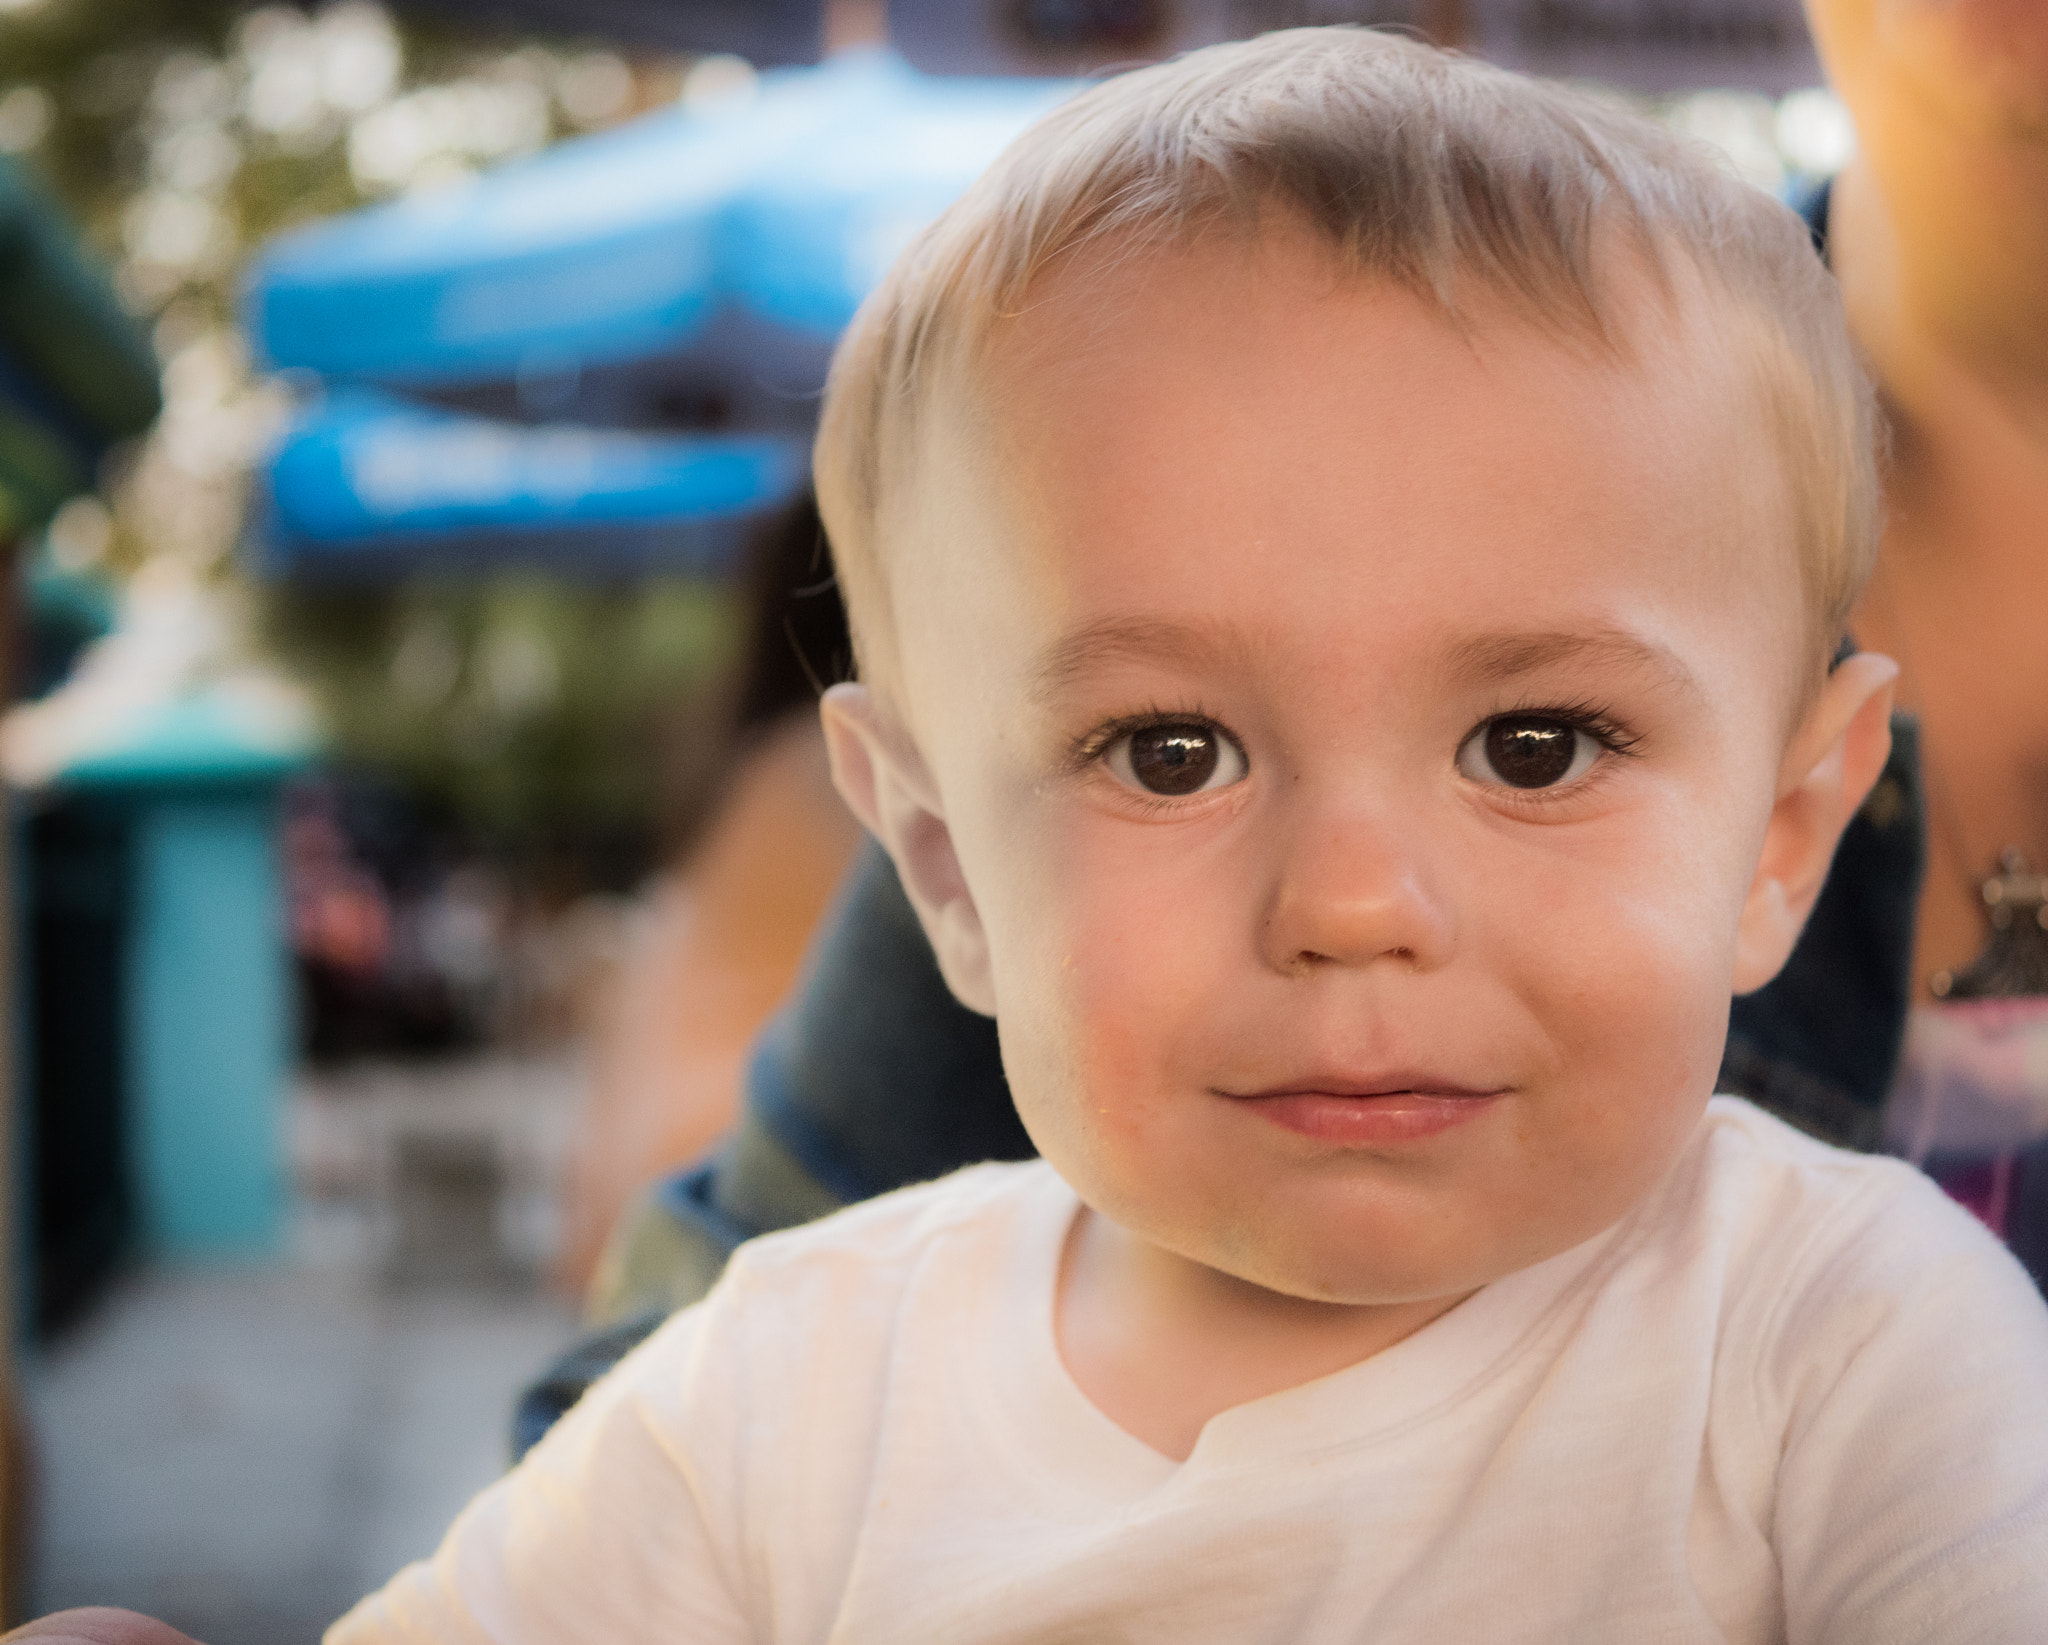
column 546, row 716
column 543, row 716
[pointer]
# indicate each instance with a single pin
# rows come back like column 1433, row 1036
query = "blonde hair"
column 1416, row 166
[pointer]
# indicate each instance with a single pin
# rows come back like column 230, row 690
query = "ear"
column 882, row 777
column 1834, row 758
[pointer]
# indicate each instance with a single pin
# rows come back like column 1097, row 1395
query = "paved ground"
column 244, row 1451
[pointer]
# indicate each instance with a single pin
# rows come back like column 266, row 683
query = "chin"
column 1343, row 1284
column 1367, row 1268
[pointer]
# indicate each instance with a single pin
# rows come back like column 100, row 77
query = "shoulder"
column 1813, row 1206
column 1798, row 1211
column 1832, row 1257
column 1883, row 1361
column 894, row 1231
column 806, row 1327
column 846, row 1277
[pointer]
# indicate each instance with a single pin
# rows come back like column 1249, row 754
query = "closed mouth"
column 1394, row 1110
column 1387, row 1085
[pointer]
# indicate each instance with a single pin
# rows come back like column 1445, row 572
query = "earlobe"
column 1837, row 755
column 883, row 779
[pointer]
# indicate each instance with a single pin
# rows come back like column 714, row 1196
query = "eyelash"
column 1090, row 746
column 1585, row 716
column 1589, row 717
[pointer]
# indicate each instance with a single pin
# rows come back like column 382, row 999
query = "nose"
column 1354, row 888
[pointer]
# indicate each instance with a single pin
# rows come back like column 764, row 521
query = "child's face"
column 1339, row 751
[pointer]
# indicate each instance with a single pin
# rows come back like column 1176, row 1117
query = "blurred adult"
column 1939, row 229
column 1938, row 232
column 726, row 927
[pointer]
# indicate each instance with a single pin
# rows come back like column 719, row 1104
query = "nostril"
column 1310, row 959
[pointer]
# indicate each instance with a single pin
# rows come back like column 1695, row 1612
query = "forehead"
column 1241, row 430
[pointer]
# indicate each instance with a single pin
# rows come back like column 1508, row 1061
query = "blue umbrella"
column 364, row 482
column 693, row 268
column 624, row 246
column 597, row 250
column 808, row 238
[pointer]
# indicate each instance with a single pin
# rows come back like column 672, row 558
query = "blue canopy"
column 363, row 482
column 786, row 205
column 806, row 240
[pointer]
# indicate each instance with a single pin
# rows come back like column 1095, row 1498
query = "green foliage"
column 543, row 714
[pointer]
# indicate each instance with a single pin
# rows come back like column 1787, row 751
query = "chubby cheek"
column 1110, row 958
column 1623, row 962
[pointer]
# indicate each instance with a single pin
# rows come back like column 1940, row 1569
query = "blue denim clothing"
column 1818, row 1046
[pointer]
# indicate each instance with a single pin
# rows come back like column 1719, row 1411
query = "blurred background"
column 415, row 608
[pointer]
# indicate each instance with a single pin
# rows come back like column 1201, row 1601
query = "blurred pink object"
column 1973, row 1079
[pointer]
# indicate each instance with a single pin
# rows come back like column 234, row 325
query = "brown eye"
column 1175, row 758
column 1527, row 751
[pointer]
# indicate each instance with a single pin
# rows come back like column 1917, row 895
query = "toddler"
column 1348, row 550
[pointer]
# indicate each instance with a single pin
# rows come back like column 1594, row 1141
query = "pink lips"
column 1393, row 1108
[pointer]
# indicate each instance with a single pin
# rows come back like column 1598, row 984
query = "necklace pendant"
column 2014, row 961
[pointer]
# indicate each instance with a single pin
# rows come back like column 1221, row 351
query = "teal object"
column 204, row 740
column 66, row 611
column 80, row 603
column 206, row 981
column 209, row 1018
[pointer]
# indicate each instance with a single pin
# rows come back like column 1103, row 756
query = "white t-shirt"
column 1796, row 1395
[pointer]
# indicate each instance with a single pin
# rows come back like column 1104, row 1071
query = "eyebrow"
column 1494, row 658
column 1489, row 659
column 1125, row 640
